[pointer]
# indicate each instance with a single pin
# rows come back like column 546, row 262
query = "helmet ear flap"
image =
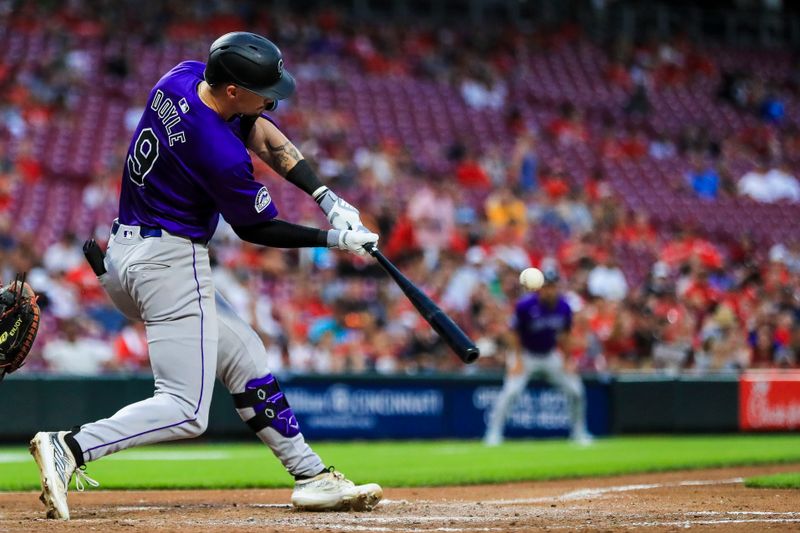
column 273, row 106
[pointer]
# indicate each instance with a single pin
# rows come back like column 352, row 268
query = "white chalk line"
column 584, row 494
column 270, row 505
column 128, row 508
column 689, row 523
column 744, row 513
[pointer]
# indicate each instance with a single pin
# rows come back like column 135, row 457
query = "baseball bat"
column 442, row 324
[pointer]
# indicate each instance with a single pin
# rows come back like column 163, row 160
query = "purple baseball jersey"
column 538, row 325
column 186, row 165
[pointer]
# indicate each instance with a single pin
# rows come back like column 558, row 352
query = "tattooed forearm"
column 282, row 157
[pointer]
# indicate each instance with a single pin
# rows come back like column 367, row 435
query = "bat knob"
column 471, row 354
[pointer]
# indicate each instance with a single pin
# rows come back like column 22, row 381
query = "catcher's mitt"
column 19, row 322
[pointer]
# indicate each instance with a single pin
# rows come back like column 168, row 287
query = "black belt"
column 152, row 231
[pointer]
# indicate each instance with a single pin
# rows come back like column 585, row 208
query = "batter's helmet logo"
column 280, row 68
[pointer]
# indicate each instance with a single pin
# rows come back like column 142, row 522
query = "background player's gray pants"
column 551, row 367
column 193, row 336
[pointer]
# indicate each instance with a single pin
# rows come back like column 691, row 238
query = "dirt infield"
column 699, row 500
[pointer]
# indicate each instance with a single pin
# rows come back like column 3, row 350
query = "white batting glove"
column 341, row 214
column 352, row 240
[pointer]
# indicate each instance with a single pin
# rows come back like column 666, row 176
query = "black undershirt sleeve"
column 303, row 177
column 282, row 234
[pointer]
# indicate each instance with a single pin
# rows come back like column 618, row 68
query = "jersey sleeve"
column 240, row 199
column 517, row 319
column 567, row 317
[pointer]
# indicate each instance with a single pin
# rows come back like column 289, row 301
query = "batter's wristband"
column 319, row 194
column 333, row 238
column 304, row 177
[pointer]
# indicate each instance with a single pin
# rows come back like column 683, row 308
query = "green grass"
column 414, row 463
column 789, row 480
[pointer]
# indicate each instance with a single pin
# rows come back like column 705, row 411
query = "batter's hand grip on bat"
column 448, row 330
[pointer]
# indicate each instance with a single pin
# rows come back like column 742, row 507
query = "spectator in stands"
column 735, row 88
column 28, row 163
column 76, row 352
column 64, row 255
column 597, row 187
column 698, row 293
column 638, row 103
column 783, row 184
column 134, row 113
column 675, row 332
column 377, row 162
column 495, row 164
column 482, row 91
column 524, row 167
column 769, row 186
column 431, row 210
column 637, row 231
column 763, row 347
column 607, row 280
column 8, row 177
column 723, row 343
column 504, row 209
column 458, row 292
column 470, row 174
column 657, row 282
column 62, row 295
column 13, row 121
column 130, row 348
column 569, row 128
column 573, row 209
column 772, row 108
column 703, row 179
column 554, row 182
column 661, row 147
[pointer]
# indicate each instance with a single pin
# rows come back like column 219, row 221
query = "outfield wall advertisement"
column 435, row 406
column 769, row 400
column 435, row 409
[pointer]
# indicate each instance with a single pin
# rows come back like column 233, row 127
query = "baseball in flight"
column 531, row 278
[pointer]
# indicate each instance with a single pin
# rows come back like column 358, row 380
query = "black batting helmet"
column 250, row 61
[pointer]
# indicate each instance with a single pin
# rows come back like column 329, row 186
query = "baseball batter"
column 188, row 162
column 541, row 324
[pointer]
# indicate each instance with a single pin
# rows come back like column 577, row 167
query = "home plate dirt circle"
column 698, row 500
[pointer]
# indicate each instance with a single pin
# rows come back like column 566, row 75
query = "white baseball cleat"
column 331, row 491
column 491, row 439
column 56, row 466
column 582, row 438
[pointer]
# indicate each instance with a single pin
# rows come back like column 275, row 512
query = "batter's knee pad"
column 271, row 407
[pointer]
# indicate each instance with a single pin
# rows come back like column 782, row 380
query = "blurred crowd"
column 463, row 231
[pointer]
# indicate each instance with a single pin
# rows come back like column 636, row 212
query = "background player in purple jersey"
column 541, row 326
column 188, row 162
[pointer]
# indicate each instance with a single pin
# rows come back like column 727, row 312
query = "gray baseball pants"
column 551, row 367
column 193, row 336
